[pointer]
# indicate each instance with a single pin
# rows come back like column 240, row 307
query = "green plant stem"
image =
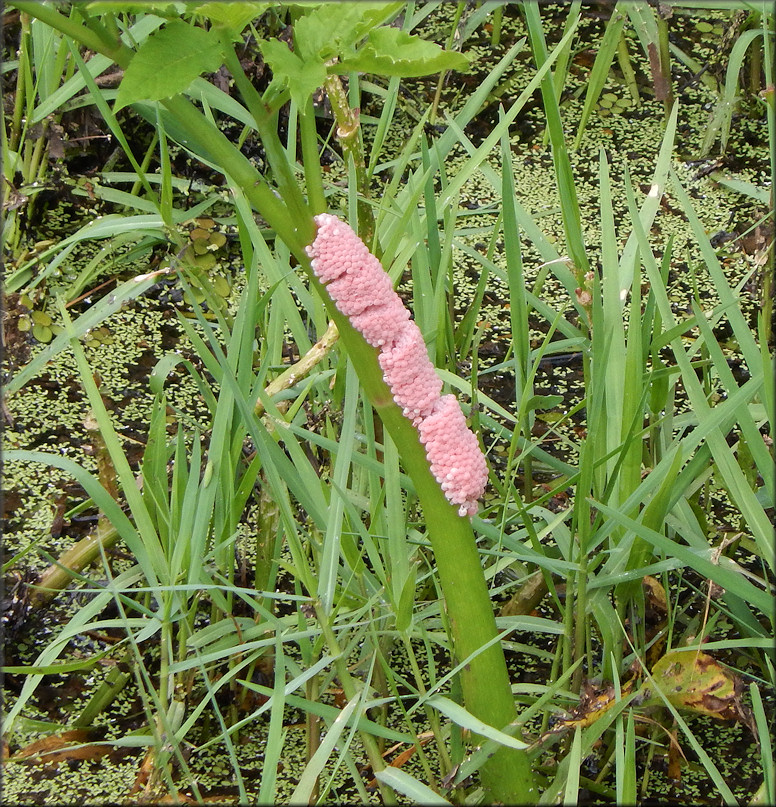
column 37, row 168
column 202, row 133
column 572, row 224
column 623, row 59
column 766, row 300
column 266, row 124
column 116, row 679
column 495, row 34
column 100, row 43
column 560, row 71
column 60, row 574
column 431, row 715
column 580, row 623
column 311, row 159
column 150, row 151
column 755, row 61
column 665, row 64
column 22, row 72
column 296, row 233
column 443, row 74
column 349, row 136
column 313, row 726
column 507, row 775
column 301, row 368
column 111, row 25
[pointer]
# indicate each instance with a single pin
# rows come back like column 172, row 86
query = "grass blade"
column 403, row 783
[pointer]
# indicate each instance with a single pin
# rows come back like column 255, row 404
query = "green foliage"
column 301, row 77
column 161, row 8
column 600, row 71
column 232, row 16
column 722, row 117
column 167, row 63
column 333, row 32
column 329, row 31
column 393, row 52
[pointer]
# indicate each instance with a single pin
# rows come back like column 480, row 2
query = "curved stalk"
column 507, row 775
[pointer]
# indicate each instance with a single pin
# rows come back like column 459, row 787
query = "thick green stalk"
column 87, row 37
column 61, row 573
column 507, row 775
column 296, row 233
column 266, row 124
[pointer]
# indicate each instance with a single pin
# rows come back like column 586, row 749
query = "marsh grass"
column 343, row 620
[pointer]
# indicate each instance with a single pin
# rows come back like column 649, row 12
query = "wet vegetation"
column 229, row 576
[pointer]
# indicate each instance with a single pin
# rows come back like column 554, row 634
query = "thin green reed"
column 572, row 224
column 610, row 42
column 519, row 309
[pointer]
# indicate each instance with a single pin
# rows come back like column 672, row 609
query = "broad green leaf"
column 234, row 16
column 326, row 32
column 167, row 63
column 392, row 52
column 334, row 28
column 301, row 78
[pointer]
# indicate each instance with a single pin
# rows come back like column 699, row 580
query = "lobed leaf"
column 393, row 52
column 301, row 78
column 233, row 16
column 167, row 63
column 334, row 28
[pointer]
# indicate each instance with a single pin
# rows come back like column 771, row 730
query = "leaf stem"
column 311, row 158
column 349, row 136
column 266, row 124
